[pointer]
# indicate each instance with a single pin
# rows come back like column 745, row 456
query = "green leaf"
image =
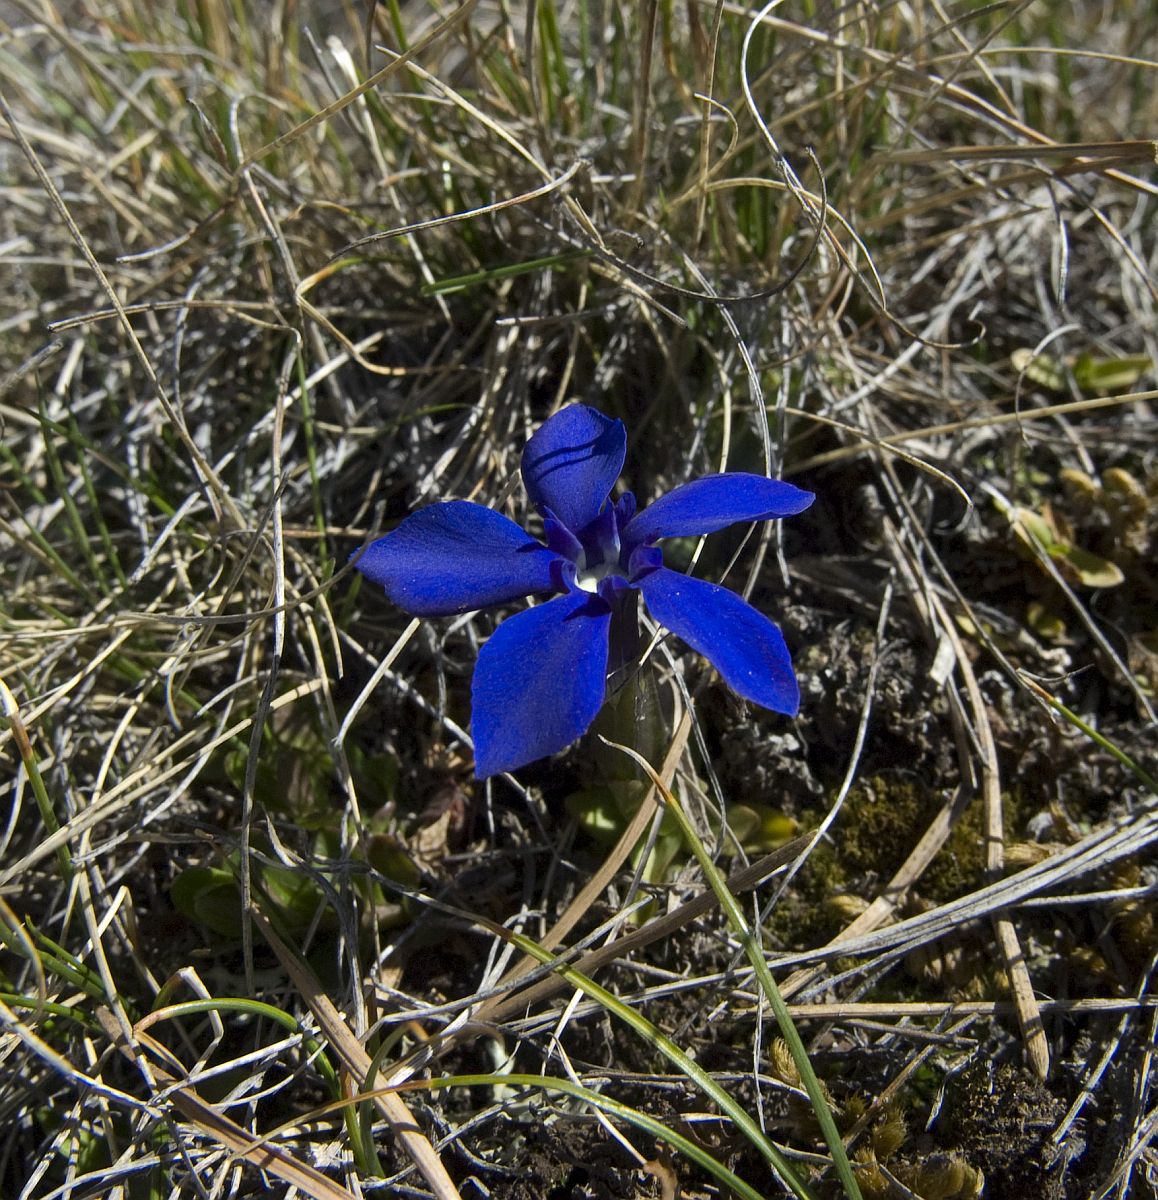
column 209, row 896
column 1110, row 374
column 1031, row 527
column 1088, row 568
column 1041, row 369
column 1091, row 569
column 1092, row 375
column 1044, row 621
column 759, row 827
column 597, row 812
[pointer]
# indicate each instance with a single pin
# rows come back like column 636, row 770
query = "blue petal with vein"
column 742, row 644
column 714, row 502
column 572, row 462
column 457, row 556
column 539, row 682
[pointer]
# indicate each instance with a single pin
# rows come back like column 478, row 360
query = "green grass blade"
column 679, row 1058
column 754, row 951
column 614, row 1108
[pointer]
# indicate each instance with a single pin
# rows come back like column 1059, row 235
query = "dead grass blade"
column 235, row 1138
column 334, row 1028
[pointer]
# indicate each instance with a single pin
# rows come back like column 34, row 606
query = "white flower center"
column 589, row 577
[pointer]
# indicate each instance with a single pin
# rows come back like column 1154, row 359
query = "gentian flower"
column 540, row 678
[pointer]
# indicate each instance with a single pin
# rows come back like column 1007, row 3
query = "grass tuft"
column 276, row 275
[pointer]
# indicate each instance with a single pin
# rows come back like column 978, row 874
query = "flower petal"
column 742, row 644
column 560, row 538
column 539, row 682
column 572, row 462
column 452, row 557
column 714, row 502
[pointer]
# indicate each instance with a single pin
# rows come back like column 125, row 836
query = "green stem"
column 1147, row 779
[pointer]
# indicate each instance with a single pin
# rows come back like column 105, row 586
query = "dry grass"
column 274, row 277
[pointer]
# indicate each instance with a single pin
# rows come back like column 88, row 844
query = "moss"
column 882, row 819
column 803, row 918
column 1000, row 1119
column 886, row 815
column 959, row 866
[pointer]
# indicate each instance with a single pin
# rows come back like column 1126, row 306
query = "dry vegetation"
column 268, row 286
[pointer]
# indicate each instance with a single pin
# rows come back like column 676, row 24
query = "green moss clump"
column 803, row 918
column 882, row 819
column 959, row 866
column 886, row 815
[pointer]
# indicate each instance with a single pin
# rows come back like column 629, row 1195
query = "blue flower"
column 540, row 679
